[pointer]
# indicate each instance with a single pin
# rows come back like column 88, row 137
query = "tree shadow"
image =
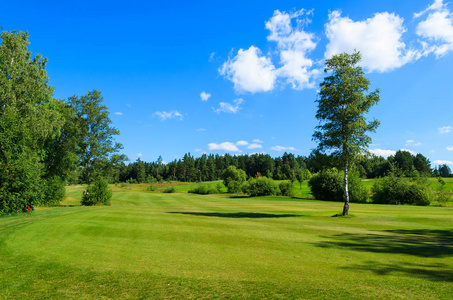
column 417, row 242
column 433, row 272
column 238, row 215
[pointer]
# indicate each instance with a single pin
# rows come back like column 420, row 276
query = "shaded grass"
column 155, row 245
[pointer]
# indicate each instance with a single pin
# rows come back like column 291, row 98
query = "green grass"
column 156, row 245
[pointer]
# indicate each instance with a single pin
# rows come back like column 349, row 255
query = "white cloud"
column 242, row 143
column 226, row 146
column 377, row 38
column 197, row 150
column 228, row 107
column 280, row 148
column 437, row 28
column 450, row 148
column 163, row 115
column 255, row 146
column 204, row 96
column 294, row 45
column 118, row 113
column 139, row 154
column 443, row 162
column 382, row 152
column 250, row 71
column 201, row 129
column 211, row 56
column 446, row 129
column 257, row 141
column 412, row 143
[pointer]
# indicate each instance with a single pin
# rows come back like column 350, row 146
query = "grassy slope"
column 155, row 245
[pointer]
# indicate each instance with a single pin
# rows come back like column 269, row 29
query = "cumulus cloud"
column 163, row 115
column 204, row 96
column 446, row 129
column 228, row 107
column 443, row 162
column 449, row 148
column 226, row 146
column 382, row 152
column 437, row 28
column 379, row 39
column 242, row 143
column 250, row 71
column 280, row 148
column 294, row 45
column 118, row 113
column 255, row 146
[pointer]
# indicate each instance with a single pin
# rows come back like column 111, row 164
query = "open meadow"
column 180, row 245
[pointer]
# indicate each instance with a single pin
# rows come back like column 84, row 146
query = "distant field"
column 185, row 246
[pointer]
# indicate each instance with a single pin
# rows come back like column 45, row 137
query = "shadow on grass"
column 418, row 242
column 433, row 272
column 236, row 215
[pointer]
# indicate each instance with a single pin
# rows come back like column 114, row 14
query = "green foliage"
column 286, row 188
column 395, row 189
column 234, row 187
column 203, row 189
column 169, row 189
column 261, row 186
column 95, row 135
column 27, row 119
column 342, row 106
column 54, row 191
column 233, row 174
column 97, row 193
column 328, row 185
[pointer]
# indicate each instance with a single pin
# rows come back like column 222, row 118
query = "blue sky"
column 242, row 76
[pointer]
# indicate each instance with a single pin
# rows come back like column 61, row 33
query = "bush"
column 54, row 191
column 328, row 185
column 286, row 188
column 97, row 193
column 394, row 189
column 170, row 189
column 204, row 190
column 151, row 188
column 234, row 187
column 261, row 186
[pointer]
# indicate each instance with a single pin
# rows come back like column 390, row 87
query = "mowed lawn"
column 180, row 245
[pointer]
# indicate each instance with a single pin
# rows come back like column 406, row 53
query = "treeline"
column 45, row 142
column 210, row 167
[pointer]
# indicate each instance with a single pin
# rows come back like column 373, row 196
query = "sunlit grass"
column 156, row 245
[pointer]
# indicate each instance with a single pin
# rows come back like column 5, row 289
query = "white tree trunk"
column 346, row 189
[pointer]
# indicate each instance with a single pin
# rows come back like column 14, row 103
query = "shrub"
column 170, row 189
column 151, row 188
column 234, row 187
column 261, row 186
column 204, row 190
column 328, row 185
column 394, row 189
column 286, row 188
column 97, row 193
column 54, row 191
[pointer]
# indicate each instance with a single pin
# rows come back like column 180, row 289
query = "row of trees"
column 46, row 142
column 210, row 167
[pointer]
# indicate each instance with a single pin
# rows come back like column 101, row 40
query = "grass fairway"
column 156, row 245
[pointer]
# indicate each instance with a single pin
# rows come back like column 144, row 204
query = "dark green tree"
column 28, row 118
column 342, row 105
column 95, row 135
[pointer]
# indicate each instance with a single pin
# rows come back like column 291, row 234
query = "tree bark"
column 346, row 189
